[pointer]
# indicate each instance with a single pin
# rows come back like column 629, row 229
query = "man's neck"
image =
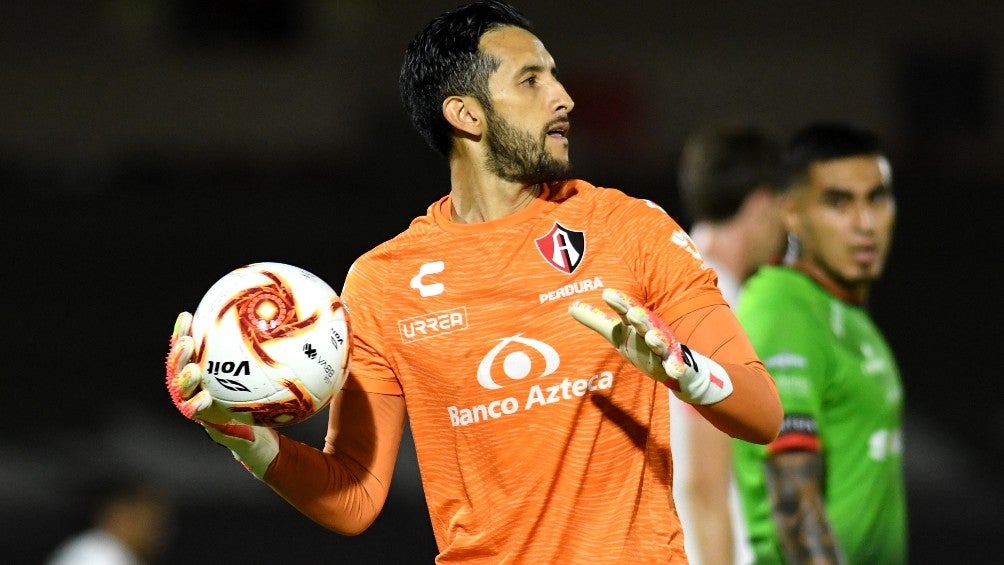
column 479, row 198
column 856, row 296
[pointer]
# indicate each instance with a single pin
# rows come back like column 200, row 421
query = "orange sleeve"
column 369, row 370
column 753, row 411
column 344, row 487
column 683, row 291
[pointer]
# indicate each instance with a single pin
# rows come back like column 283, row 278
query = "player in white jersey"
column 727, row 180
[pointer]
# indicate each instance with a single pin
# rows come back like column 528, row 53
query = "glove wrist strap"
column 259, row 455
column 254, row 446
column 707, row 383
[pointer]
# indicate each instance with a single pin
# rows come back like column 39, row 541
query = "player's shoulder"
column 382, row 256
column 766, row 285
column 779, row 281
column 585, row 190
column 781, row 292
column 611, row 203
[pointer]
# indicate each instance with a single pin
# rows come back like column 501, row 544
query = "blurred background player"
column 830, row 488
column 130, row 523
column 729, row 189
column 535, row 443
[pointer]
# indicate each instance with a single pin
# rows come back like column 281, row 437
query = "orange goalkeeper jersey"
column 537, row 442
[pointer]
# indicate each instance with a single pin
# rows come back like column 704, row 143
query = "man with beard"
column 830, row 488
column 537, row 441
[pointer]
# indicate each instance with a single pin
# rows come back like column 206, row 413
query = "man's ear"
column 465, row 114
column 788, row 204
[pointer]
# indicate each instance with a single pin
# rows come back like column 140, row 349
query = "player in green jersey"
column 830, row 488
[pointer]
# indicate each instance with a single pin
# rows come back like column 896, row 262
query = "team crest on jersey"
column 562, row 248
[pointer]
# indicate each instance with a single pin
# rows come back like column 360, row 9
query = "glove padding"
column 254, row 446
column 645, row 340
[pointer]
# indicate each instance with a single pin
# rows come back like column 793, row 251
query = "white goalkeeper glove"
column 645, row 340
column 254, row 446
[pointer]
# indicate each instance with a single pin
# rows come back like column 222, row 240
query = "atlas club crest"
column 562, row 248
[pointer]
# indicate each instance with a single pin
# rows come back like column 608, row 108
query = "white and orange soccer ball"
column 273, row 342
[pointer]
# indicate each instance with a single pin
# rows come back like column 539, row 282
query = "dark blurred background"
column 148, row 147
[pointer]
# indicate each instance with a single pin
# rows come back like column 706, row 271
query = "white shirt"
column 742, row 552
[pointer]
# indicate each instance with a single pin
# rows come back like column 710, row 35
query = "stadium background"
column 147, row 147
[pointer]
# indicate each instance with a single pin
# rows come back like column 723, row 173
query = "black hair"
column 723, row 164
column 443, row 60
column 825, row 141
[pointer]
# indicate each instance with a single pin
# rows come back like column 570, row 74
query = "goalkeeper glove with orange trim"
column 255, row 447
column 645, row 340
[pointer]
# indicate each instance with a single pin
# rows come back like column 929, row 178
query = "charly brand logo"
column 433, row 289
column 681, row 238
column 872, row 362
column 651, row 204
column 516, row 365
column 562, row 248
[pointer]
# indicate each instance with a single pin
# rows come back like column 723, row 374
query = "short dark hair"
column 443, row 60
column 825, row 141
column 721, row 165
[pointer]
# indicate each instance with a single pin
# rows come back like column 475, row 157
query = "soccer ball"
column 273, row 343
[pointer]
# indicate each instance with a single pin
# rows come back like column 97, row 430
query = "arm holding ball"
column 342, row 487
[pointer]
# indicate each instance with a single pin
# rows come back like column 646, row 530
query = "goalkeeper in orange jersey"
column 531, row 326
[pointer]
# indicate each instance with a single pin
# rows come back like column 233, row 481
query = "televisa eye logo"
column 562, row 248
column 511, row 361
column 516, row 365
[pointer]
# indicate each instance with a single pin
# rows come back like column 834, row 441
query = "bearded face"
column 517, row 156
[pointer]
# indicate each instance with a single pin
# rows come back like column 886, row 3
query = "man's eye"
column 837, row 201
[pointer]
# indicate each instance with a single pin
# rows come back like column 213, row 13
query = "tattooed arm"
column 795, row 483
